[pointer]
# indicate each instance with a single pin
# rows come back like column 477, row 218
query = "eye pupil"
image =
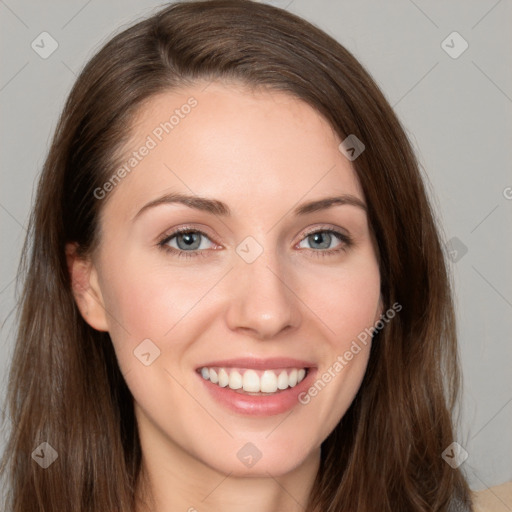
column 191, row 240
column 322, row 238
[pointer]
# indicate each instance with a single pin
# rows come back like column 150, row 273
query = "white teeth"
column 268, row 382
column 235, row 380
column 223, row 378
column 292, row 378
column 282, row 380
column 252, row 381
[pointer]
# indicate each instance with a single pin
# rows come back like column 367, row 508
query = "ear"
column 86, row 289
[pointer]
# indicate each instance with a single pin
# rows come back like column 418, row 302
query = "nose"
column 261, row 298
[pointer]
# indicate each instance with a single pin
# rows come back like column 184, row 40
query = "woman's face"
column 268, row 283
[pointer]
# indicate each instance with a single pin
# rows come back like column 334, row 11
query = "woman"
column 235, row 293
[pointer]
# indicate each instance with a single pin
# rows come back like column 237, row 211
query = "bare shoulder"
column 494, row 499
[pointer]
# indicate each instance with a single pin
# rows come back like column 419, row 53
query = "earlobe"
column 85, row 287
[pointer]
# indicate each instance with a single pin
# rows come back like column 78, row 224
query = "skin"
column 263, row 154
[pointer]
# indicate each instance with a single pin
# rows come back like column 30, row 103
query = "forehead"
column 248, row 148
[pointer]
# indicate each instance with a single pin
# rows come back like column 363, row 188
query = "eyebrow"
column 219, row 208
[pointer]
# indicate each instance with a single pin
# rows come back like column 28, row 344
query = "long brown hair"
column 65, row 384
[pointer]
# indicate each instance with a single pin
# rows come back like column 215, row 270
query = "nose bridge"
column 261, row 300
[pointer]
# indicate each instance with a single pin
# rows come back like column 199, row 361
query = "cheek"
column 163, row 304
column 345, row 300
column 347, row 305
column 146, row 295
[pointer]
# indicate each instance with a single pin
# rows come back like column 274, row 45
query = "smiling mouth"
column 248, row 381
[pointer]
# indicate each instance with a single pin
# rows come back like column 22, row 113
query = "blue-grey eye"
column 321, row 240
column 189, row 241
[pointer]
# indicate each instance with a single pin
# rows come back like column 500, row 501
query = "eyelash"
column 346, row 240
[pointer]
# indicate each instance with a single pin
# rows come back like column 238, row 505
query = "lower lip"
column 259, row 405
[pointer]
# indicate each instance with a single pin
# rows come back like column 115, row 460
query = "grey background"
column 457, row 113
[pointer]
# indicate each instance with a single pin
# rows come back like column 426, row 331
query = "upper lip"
column 259, row 364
